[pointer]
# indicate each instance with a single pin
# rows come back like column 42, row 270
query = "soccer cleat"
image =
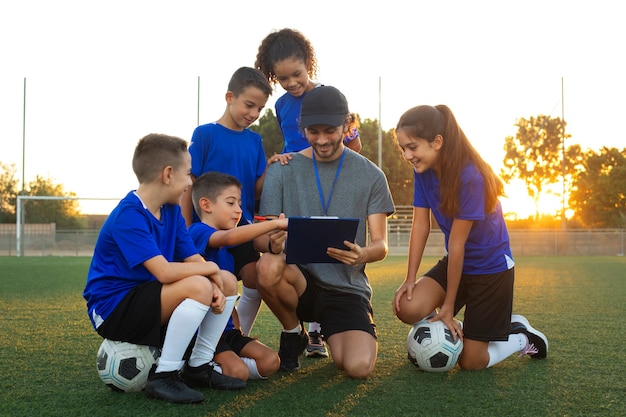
column 316, row 346
column 168, row 386
column 206, row 376
column 537, row 345
column 291, row 347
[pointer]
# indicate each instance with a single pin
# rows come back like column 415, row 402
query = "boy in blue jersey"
column 217, row 200
column 148, row 285
column 228, row 146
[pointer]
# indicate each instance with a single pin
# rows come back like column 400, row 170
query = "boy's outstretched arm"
column 247, row 232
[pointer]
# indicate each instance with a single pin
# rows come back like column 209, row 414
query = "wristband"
column 269, row 247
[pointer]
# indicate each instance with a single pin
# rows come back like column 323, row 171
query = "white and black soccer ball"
column 125, row 366
column 431, row 347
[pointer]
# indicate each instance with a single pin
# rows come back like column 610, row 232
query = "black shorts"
column 243, row 254
column 488, row 301
column 234, row 340
column 335, row 311
column 137, row 318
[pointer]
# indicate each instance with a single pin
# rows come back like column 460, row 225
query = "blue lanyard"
column 319, row 184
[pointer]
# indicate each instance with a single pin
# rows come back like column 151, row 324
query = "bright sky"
column 100, row 75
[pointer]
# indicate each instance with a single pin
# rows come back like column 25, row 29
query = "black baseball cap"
column 324, row 105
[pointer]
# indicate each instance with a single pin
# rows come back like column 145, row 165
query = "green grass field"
column 48, row 351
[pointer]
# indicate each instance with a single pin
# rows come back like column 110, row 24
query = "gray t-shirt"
column 361, row 189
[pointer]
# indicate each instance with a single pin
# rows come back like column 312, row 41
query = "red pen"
column 260, row 218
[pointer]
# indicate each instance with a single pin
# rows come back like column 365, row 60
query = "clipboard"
column 309, row 237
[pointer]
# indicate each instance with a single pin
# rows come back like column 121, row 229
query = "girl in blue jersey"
column 287, row 57
column 460, row 189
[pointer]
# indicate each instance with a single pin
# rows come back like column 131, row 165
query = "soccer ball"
column 431, row 347
column 125, row 366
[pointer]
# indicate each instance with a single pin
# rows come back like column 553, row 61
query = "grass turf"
column 48, row 349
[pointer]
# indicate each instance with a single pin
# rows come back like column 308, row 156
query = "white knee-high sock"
column 209, row 333
column 499, row 351
column 248, row 308
column 180, row 330
column 252, row 368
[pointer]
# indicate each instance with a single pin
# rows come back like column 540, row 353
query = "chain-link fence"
column 46, row 240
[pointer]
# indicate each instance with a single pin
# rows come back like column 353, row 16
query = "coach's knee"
column 358, row 368
column 268, row 271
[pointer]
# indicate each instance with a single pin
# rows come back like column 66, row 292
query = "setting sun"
column 518, row 205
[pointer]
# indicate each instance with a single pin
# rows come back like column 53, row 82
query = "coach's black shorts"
column 137, row 318
column 234, row 340
column 335, row 311
column 243, row 254
column 488, row 301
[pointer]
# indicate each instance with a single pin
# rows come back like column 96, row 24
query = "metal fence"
column 531, row 242
column 593, row 242
column 47, row 241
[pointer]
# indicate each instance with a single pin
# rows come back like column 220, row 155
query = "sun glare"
column 518, row 205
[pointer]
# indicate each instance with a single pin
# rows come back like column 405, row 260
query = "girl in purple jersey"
column 460, row 189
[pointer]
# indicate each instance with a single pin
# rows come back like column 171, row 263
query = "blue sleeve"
column 132, row 232
column 419, row 196
column 184, row 247
column 472, row 195
column 198, row 149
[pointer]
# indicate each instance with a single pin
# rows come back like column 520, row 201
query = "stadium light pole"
column 198, row 105
column 19, row 226
column 380, row 128
column 563, row 219
column 24, row 136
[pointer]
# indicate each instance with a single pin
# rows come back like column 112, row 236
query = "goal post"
column 20, row 218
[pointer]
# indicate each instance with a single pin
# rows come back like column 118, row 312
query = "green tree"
column 399, row 173
column 8, row 193
column 599, row 189
column 535, row 154
column 65, row 213
column 267, row 127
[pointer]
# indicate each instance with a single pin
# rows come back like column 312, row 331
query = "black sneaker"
column 291, row 347
column 537, row 346
column 206, row 376
column 168, row 386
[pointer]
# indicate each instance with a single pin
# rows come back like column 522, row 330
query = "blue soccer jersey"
column 288, row 117
column 487, row 249
column 200, row 234
column 237, row 153
column 130, row 236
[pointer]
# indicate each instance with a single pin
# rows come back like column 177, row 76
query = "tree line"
column 594, row 181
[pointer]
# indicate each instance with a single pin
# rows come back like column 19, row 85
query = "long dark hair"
column 426, row 122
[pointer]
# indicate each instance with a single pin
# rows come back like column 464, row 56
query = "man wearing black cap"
column 326, row 179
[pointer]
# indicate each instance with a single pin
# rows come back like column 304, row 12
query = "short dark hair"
column 210, row 185
column 156, row 151
column 248, row 77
